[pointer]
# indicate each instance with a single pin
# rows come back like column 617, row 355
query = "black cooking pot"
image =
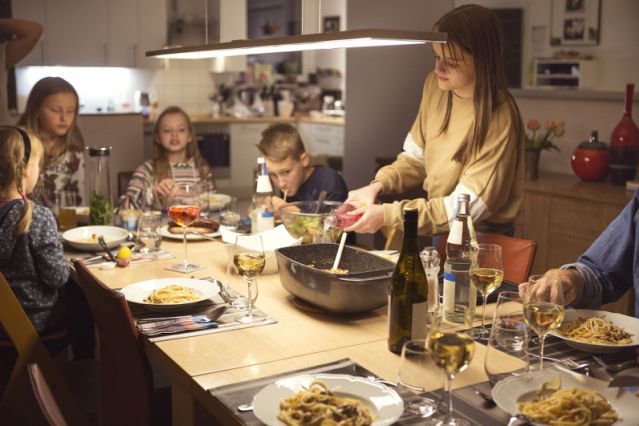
column 363, row 288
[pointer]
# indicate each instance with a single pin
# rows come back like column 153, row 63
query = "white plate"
column 164, row 231
column 216, row 201
column 86, row 237
column 383, row 402
column 630, row 324
column 508, row 392
column 137, row 292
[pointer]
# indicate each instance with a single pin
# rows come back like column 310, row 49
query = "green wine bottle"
column 408, row 292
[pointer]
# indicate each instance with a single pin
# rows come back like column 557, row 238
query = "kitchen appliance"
column 363, row 288
column 215, row 148
column 590, row 159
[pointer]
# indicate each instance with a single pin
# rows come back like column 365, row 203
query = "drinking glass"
column 430, row 261
column 149, row 235
column 230, row 215
column 508, row 339
column 416, row 370
column 249, row 261
column 67, row 215
column 542, row 314
column 184, row 209
column 452, row 352
column 486, row 275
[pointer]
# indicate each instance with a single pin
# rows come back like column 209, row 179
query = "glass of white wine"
column 543, row 307
column 486, row 275
column 452, row 351
column 416, row 374
column 249, row 261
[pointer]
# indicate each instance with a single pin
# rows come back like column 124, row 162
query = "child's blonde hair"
column 13, row 148
column 161, row 166
column 280, row 141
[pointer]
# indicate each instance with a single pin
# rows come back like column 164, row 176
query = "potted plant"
column 539, row 139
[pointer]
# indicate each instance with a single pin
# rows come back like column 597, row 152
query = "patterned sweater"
column 65, row 173
column 33, row 263
column 139, row 192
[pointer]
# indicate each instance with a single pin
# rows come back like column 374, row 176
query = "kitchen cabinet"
column 569, row 73
column 322, row 139
column 95, row 32
column 564, row 216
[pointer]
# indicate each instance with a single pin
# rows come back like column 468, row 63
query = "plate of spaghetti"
column 575, row 400
column 330, row 398
column 598, row 331
column 169, row 294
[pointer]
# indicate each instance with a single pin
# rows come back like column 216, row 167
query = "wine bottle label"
column 418, row 323
column 456, row 232
column 449, row 292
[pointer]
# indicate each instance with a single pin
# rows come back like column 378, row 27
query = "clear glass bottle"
column 100, row 201
column 262, row 216
column 461, row 248
column 408, row 295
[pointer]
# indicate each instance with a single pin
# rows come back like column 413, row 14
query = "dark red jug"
column 590, row 160
column 624, row 144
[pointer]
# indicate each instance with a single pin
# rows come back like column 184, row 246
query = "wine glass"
column 184, row 209
column 508, row 339
column 486, row 275
column 452, row 352
column 542, row 314
column 415, row 374
column 249, row 261
column 149, row 236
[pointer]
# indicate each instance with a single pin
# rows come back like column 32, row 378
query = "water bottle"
column 100, row 201
column 262, row 216
column 461, row 249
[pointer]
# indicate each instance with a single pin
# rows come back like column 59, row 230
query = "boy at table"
column 608, row 268
column 288, row 165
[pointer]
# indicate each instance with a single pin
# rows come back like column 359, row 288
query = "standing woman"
column 51, row 113
column 468, row 137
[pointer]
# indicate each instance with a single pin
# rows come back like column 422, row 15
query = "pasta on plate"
column 317, row 405
column 570, row 407
column 172, row 294
column 595, row 330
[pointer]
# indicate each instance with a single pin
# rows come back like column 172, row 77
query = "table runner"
column 466, row 402
column 225, row 323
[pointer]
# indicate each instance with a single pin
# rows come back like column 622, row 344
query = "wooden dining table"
column 301, row 338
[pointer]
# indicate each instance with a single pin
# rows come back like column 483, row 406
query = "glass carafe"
column 100, row 201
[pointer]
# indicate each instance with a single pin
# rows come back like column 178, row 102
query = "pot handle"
column 357, row 280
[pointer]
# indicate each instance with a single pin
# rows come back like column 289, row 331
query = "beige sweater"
column 493, row 178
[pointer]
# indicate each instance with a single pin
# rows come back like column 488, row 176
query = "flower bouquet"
column 540, row 139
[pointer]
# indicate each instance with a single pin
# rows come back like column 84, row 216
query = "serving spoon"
column 338, row 257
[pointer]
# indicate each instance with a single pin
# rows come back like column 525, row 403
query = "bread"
column 201, row 225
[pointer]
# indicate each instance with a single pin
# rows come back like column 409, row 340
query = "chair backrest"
column 518, row 254
column 123, row 182
column 30, row 349
column 44, row 396
column 125, row 374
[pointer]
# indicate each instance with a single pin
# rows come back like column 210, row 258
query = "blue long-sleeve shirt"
column 610, row 266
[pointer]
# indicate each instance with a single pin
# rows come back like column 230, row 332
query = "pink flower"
column 550, row 125
column 533, row 124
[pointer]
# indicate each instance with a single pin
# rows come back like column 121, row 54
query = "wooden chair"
column 518, row 254
column 127, row 394
column 30, row 350
column 43, row 394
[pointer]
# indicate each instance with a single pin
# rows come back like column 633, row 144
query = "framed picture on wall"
column 331, row 23
column 575, row 22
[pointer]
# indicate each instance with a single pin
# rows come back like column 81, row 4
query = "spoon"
column 244, row 407
column 320, row 200
column 338, row 257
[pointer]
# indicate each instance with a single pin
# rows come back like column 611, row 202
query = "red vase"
column 624, row 144
column 590, row 159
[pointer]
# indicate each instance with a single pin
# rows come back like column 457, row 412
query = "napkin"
column 176, row 325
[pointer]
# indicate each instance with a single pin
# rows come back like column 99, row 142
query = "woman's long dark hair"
column 475, row 30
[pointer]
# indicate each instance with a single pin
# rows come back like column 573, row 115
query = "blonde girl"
column 51, row 113
column 175, row 158
column 31, row 256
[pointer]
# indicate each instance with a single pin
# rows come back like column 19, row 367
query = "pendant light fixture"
column 296, row 43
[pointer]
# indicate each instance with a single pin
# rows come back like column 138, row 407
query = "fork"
column 566, row 362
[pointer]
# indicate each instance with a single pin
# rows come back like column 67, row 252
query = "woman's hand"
column 548, row 287
column 372, row 219
column 366, row 194
column 163, row 187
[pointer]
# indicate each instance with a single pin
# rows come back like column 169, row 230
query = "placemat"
column 224, row 323
column 466, row 402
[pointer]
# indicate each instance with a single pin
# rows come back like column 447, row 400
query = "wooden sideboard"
column 564, row 215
